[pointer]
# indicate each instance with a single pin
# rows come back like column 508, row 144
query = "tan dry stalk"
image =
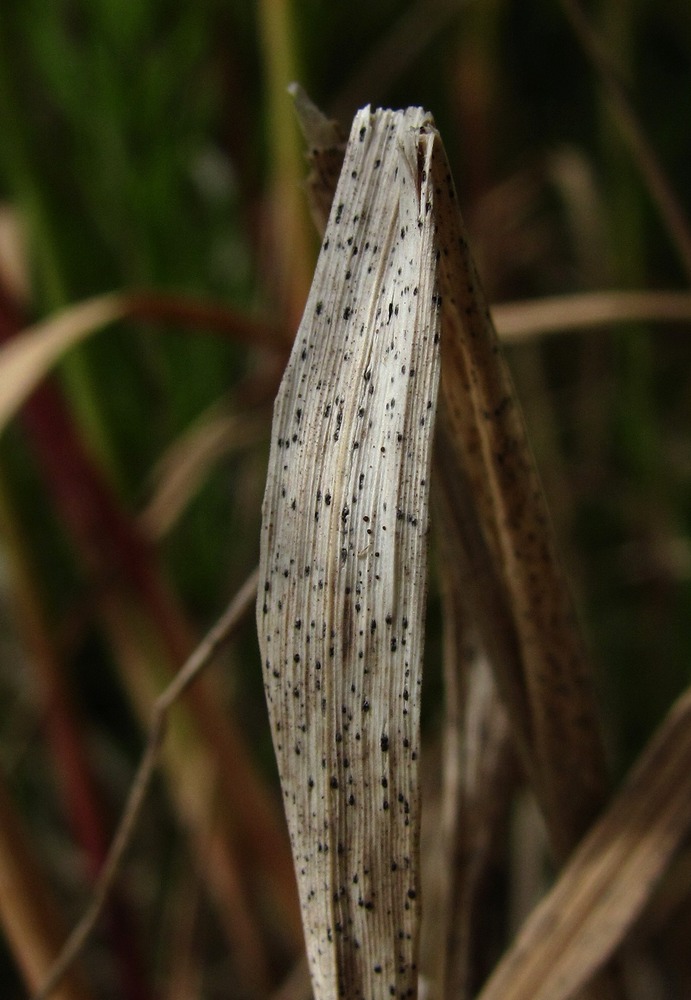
column 524, row 320
column 343, row 562
column 609, row 878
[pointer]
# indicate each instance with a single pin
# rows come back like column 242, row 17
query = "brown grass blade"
column 342, row 570
column 325, row 151
column 521, row 320
column 550, row 701
column 609, row 878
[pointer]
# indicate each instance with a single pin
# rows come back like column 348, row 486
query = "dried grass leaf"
column 325, row 151
column 520, row 320
column 186, row 463
column 609, row 878
column 26, row 360
column 479, row 769
column 343, row 558
column 551, row 702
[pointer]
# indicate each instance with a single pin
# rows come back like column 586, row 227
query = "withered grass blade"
column 551, row 703
column 343, row 563
column 27, row 358
column 478, row 782
column 609, row 878
column 326, row 145
column 478, row 773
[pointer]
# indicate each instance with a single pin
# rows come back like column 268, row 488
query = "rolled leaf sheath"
column 343, row 562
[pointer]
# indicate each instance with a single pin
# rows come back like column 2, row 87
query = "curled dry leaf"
column 25, row 361
column 343, row 562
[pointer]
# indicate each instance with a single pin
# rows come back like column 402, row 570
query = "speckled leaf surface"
column 343, row 562
column 543, row 670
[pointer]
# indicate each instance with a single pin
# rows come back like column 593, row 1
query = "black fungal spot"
column 339, row 212
column 384, row 743
column 319, row 308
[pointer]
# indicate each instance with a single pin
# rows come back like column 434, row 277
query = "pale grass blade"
column 343, row 563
